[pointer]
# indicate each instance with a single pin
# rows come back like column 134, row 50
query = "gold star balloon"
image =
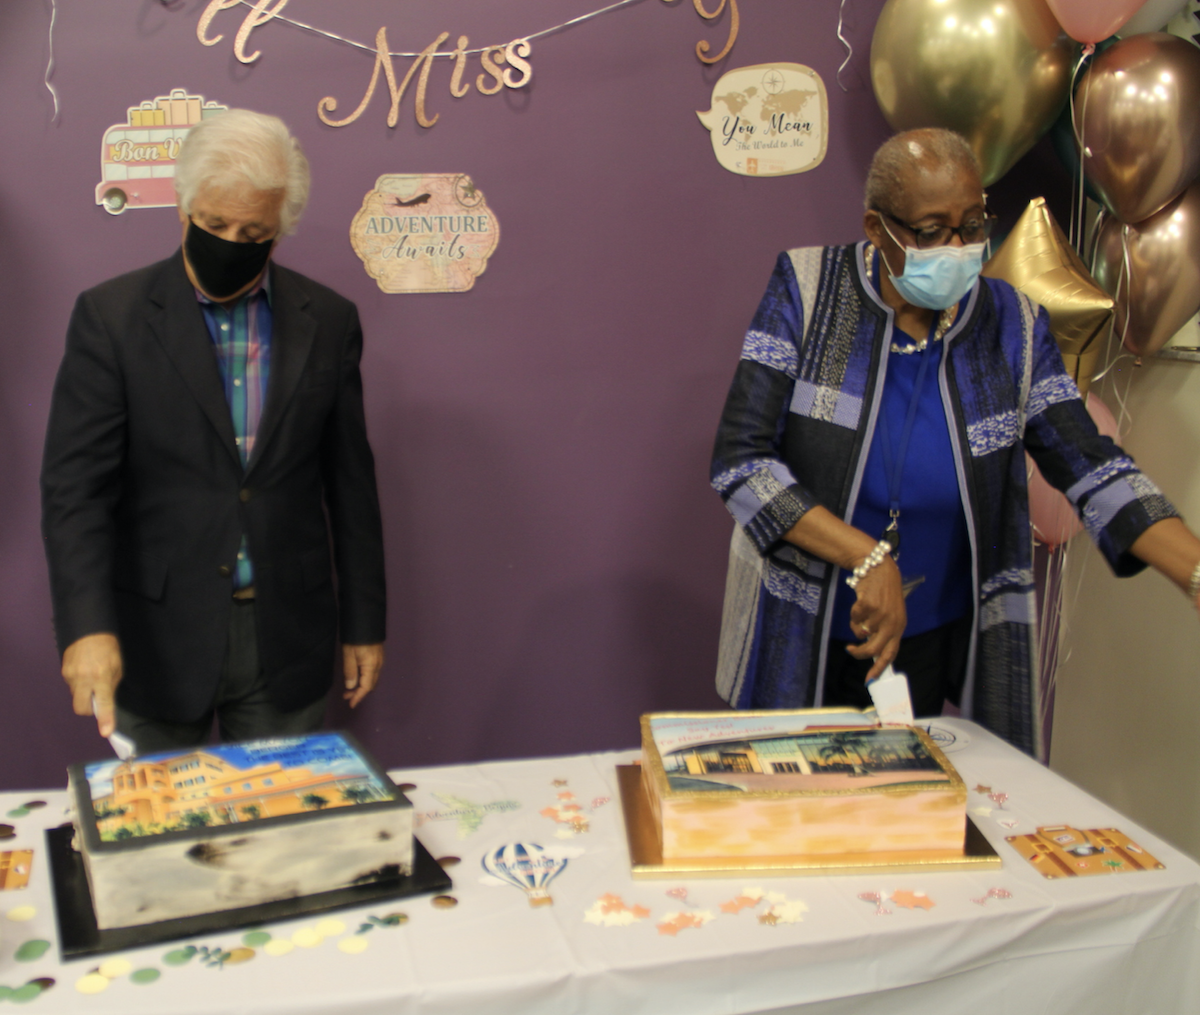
column 1037, row 259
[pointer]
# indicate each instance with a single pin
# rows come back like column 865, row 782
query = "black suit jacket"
column 145, row 500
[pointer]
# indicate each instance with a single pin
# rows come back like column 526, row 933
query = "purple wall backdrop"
column 555, row 556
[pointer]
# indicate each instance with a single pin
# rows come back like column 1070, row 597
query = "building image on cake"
column 865, row 756
column 223, row 785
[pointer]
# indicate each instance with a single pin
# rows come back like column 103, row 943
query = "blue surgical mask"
column 939, row 277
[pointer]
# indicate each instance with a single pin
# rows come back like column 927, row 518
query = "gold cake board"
column 646, row 859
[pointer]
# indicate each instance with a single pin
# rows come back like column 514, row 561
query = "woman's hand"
column 879, row 616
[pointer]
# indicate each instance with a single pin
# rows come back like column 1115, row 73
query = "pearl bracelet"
column 883, row 547
column 1194, row 584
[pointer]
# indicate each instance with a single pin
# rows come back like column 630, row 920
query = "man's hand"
column 91, row 667
column 362, row 664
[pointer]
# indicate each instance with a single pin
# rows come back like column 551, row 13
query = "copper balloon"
column 1135, row 110
column 996, row 71
column 1161, row 289
column 1037, row 259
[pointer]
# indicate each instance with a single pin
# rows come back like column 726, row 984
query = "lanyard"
column 894, row 472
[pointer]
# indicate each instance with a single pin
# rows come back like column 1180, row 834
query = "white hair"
column 927, row 148
column 240, row 146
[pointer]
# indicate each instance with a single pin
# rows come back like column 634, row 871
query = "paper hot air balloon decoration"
column 528, row 866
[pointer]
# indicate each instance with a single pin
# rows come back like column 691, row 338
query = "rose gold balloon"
column 1160, row 291
column 1135, row 110
column 996, row 71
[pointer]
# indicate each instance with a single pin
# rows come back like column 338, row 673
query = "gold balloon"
column 1160, row 291
column 996, row 71
column 1037, row 259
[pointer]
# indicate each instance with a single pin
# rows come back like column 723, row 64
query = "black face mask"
column 222, row 267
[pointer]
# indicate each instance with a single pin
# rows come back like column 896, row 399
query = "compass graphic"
column 772, row 82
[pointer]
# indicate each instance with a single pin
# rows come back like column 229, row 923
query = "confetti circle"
column 143, row 976
column 278, row 946
column 31, row 951
column 33, row 805
column 112, row 968
column 18, row 812
column 237, row 955
column 44, row 982
column 256, row 938
column 329, row 927
column 448, row 861
column 178, row 957
column 444, row 902
column 27, row 993
column 93, row 983
column 307, row 937
column 406, row 787
column 353, row 945
column 396, row 918
column 7, row 831
column 22, row 914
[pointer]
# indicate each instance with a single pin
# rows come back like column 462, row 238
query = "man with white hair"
column 206, row 455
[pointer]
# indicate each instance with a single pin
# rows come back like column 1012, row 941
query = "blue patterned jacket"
column 795, row 433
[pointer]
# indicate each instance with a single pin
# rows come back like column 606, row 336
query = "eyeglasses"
column 974, row 230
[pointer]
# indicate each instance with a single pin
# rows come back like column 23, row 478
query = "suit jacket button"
column 224, row 570
column 244, row 496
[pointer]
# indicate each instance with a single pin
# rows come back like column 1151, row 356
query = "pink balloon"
column 1054, row 520
column 1093, row 20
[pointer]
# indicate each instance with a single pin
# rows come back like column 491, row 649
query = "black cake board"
column 79, row 937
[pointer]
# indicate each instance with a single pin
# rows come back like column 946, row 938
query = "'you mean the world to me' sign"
column 771, row 119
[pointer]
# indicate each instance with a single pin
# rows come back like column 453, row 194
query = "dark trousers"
column 935, row 663
column 242, row 708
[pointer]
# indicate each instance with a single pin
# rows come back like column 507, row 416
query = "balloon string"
column 1078, row 203
column 50, row 61
column 371, row 49
column 1050, row 646
column 845, row 42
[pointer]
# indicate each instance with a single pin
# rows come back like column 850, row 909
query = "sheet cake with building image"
column 817, row 781
column 180, row 833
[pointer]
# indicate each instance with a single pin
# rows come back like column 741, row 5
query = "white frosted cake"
column 803, row 783
column 217, row 828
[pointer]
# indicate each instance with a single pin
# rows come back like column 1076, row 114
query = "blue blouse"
column 933, row 529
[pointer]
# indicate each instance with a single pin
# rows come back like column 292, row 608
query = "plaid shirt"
column 241, row 337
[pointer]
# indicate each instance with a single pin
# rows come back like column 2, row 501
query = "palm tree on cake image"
column 849, row 747
column 357, row 794
column 315, row 801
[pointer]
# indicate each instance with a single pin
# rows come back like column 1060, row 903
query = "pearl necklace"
column 945, row 320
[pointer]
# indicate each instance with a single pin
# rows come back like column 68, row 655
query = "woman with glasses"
column 872, row 451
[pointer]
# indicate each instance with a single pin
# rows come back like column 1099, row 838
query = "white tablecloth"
column 610, row 945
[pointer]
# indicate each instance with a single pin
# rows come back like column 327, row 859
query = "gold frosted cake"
column 804, row 783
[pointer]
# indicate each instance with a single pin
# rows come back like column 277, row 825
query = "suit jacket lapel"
column 178, row 323
column 293, row 329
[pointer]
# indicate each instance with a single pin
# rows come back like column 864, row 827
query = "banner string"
column 50, row 61
column 481, row 49
column 845, row 42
